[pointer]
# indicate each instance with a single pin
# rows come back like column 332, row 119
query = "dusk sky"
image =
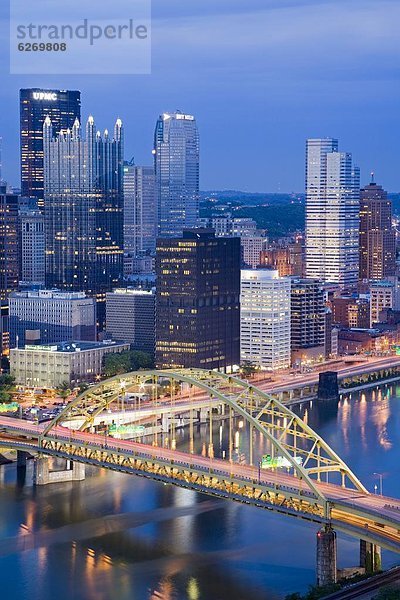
column 260, row 76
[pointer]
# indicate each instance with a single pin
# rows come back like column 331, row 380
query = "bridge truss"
column 286, row 435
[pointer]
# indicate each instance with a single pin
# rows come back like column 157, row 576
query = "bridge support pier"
column 370, row 557
column 165, row 423
column 203, row 415
column 21, row 459
column 42, row 475
column 326, row 556
column 328, row 387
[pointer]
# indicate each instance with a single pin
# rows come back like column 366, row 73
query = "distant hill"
column 253, row 198
column 278, row 214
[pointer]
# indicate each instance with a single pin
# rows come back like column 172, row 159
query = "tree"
column 63, row 390
column 6, row 388
column 125, row 362
column 248, row 368
column 82, row 387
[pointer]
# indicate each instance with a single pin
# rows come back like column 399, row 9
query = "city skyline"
column 307, row 98
column 202, row 298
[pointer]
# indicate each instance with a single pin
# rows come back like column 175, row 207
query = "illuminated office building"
column 176, row 164
column 9, row 247
column 308, row 316
column 332, row 214
column 265, row 319
column 84, row 210
column 32, row 248
column 9, row 259
column 377, row 236
column 62, row 107
column 197, row 301
column 140, row 229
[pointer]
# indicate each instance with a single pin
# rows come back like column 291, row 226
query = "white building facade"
column 332, row 213
column 265, row 319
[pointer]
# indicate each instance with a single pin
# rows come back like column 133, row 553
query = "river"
column 106, row 538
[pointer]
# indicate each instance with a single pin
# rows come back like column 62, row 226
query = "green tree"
column 125, row 362
column 82, row 387
column 248, row 369
column 63, row 390
column 6, row 388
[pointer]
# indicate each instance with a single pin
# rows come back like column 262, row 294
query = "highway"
column 145, row 410
column 351, row 510
column 293, row 381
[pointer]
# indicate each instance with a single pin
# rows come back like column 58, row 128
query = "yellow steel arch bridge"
column 305, row 477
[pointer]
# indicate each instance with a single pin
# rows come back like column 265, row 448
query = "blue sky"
column 261, row 76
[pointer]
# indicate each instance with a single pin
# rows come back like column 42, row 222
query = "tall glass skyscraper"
column 84, row 209
column 139, row 209
column 62, row 107
column 332, row 213
column 176, row 163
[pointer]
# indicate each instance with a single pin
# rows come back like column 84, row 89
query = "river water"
column 115, row 536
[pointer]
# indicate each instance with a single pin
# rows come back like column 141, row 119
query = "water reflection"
column 117, row 536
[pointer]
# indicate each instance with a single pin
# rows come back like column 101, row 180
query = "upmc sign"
column 45, row 96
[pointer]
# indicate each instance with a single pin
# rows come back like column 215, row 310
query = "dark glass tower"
column 62, row 107
column 9, row 247
column 84, row 210
column 197, row 304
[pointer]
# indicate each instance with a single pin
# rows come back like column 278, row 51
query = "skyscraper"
column 140, row 229
column 84, row 209
column 265, row 319
column 32, row 247
column 377, row 236
column 332, row 213
column 62, row 107
column 9, row 247
column 307, row 319
column 197, row 301
column 176, row 163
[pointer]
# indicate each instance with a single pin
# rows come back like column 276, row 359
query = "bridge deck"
column 364, row 515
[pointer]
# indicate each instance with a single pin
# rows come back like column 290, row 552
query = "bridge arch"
column 290, row 437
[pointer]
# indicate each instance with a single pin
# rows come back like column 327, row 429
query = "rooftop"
column 49, row 294
column 72, row 346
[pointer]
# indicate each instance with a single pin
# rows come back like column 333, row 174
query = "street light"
column 380, row 475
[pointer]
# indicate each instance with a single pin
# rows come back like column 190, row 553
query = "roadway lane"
column 349, row 506
column 291, row 382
